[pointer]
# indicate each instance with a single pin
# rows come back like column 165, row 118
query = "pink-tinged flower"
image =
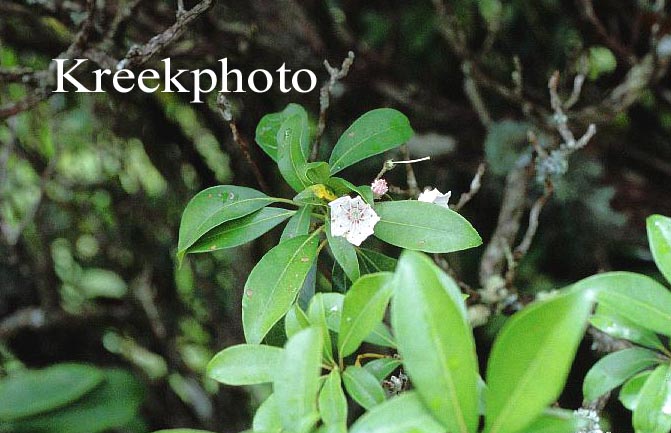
column 379, row 187
column 352, row 218
column 432, row 195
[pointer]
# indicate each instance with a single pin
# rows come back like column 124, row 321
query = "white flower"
column 432, row 195
column 352, row 218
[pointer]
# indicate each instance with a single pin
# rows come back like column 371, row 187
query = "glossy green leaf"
column 635, row 297
column 296, row 389
column 380, row 335
column 111, row 405
column 274, row 283
column 363, row 387
column 630, row 393
column 363, row 309
column 371, row 261
column 344, row 253
column 292, row 137
column 30, row 392
column 267, row 417
column 332, row 401
column 373, row 133
column 614, row 369
column 339, row 280
column 383, row 367
column 402, row 414
column 531, row 358
column 245, row 364
column 298, row 224
column 317, row 316
column 295, row 320
column 421, row 226
column 609, row 321
column 659, row 236
column 215, row 206
column 240, row 231
column 343, row 187
column 652, row 413
column 266, row 130
column 317, row 172
column 557, row 421
column 435, row 342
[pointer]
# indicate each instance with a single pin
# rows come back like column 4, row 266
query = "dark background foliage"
column 92, row 186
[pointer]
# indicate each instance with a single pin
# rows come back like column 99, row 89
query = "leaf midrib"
column 249, row 224
column 451, row 387
column 357, row 319
column 221, row 209
column 355, row 146
column 503, row 414
column 284, row 271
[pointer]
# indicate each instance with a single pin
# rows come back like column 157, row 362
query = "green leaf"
column 402, row 414
column 635, row 297
column 317, row 172
column 245, row 364
column 659, row 236
column 297, row 383
column 266, row 130
column 339, row 279
column 267, row 417
column 274, row 283
column 421, row 226
column 614, row 369
column 332, row 401
column 373, row 133
column 299, row 224
column 652, row 414
column 292, row 136
column 557, row 421
column 380, row 336
column 343, row 187
column 111, row 405
column 435, row 342
column 30, row 392
column 531, row 358
column 344, row 253
column 363, row 309
column 295, row 320
column 383, row 367
column 215, row 206
column 363, row 387
column 371, row 261
column 240, row 231
column 317, row 316
column 630, row 393
column 609, row 321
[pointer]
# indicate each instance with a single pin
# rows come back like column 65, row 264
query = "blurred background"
column 92, row 186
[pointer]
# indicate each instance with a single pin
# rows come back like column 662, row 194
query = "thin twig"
column 335, row 75
column 224, row 106
column 612, row 43
column 139, row 55
column 476, row 183
column 534, row 215
column 413, row 188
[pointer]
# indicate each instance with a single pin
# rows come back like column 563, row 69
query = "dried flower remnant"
column 433, row 195
column 352, row 218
